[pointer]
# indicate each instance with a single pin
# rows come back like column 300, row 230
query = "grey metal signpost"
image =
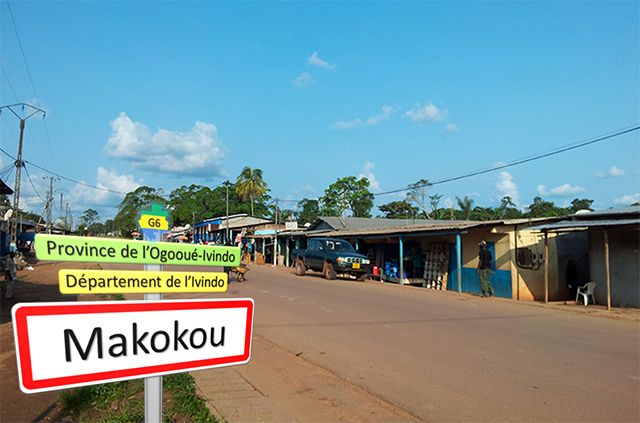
column 153, row 384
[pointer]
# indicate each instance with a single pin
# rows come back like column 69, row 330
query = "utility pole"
column 227, row 183
column 275, row 239
column 16, row 191
column 61, row 191
column 49, row 204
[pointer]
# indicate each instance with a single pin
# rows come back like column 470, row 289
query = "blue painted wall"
column 500, row 279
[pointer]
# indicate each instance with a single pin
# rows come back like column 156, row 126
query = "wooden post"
column 606, row 261
column 459, row 261
column 546, row 268
column 401, row 266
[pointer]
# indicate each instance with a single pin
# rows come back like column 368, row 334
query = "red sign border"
column 23, row 354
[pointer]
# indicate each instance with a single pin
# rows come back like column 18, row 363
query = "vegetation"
column 124, row 401
column 249, row 194
column 250, row 184
column 308, row 211
column 129, row 208
column 347, row 193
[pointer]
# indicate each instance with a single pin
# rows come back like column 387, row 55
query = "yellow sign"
column 153, row 222
column 136, row 282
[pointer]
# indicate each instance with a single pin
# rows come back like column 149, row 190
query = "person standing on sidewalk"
column 10, row 274
column 484, row 269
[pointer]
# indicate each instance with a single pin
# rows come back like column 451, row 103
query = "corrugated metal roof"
column 583, row 224
column 356, row 223
column 393, row 227
column 617, row 212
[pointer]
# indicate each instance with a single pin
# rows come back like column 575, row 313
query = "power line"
column 24, row 58
column 33, row 186
column 9, row 82
column 74, row 181
column 520, row 161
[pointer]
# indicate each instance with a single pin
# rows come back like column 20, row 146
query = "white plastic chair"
column 586, row 291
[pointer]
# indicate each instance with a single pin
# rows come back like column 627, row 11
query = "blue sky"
column 167, row 94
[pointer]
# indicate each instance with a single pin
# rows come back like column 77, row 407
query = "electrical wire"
column 9, row 82
column 520, row 161
column 76, row 182
column 24, row 58
column 33, row 186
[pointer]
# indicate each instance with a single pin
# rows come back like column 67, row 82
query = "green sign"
column 108, row 250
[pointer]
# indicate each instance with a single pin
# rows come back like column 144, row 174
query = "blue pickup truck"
column 331, row 257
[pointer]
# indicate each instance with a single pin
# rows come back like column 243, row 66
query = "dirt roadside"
column 276, row 385
column 37, row 285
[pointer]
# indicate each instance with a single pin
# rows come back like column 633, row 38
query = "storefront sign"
column 108, row 250
column 82, row 281
column 64, row 345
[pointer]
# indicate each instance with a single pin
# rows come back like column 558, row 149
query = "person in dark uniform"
column 484, row 269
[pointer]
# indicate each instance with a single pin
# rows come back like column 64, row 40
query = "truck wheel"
column 329, row 271
column 300, row 268
column 361, row 277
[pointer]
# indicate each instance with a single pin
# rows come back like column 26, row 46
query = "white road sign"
column 64, row 345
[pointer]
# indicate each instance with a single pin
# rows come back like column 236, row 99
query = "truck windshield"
column 339, row 246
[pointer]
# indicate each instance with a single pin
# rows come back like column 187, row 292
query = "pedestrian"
column 571, row 278
column 484, row 269
column 10, row 274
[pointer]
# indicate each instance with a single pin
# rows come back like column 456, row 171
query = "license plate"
column 356, row 265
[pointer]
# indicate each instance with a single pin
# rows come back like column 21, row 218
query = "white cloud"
column 367, row 172
column 498, row 165
column 197, row 152
column 387, row 111
column 304, row 80
column 627, row 200
column 613, row 172
column 118, row 186
column 314, row 60
column 567, row 190
column 506, row 186
column 426, row 114
column 451, row 128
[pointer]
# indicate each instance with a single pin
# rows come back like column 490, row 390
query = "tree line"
column 250, row 194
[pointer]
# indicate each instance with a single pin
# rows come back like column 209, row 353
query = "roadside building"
column 605, row 247
column 444, row 254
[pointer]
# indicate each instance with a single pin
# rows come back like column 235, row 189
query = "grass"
column 124, row 402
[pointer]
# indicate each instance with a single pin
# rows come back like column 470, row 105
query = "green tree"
column 508, row 209
column 194, row 203
column 348, row 193
column 97, row 228
column 418, row 194
column 89, row 217
column 434, row 203
column 466, row 206
column 308, row 210
column 399, row 210
column 132, row 204
column 484, row 213
column 542, row 208
column 577, row 205
column 250, row 184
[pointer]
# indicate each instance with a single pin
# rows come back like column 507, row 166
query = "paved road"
column 441, row 356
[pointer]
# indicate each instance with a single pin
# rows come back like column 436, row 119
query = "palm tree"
column 466, row 205
column 250, row 184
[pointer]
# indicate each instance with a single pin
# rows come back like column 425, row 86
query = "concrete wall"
column 624, row 242
column 572, row 246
